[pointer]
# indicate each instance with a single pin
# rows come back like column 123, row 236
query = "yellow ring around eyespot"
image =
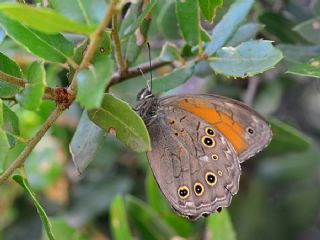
column 183, row 188
column 215, row 179
column 209, row 146
column 194, row 189
column 209, row 128
column 220, row 173
column 214, row 157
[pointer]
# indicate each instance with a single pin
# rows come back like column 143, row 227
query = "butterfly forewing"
column 246, row 130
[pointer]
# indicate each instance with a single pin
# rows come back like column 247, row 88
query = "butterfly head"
column 145, row 93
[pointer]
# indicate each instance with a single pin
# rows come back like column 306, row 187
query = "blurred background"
column 279, row 196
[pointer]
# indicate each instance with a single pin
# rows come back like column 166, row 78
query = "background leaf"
column 228, row 25
column 85, row 142
column 309, row 30
column 219, row 226
column 117, row 117
column 209, row 7
column 10, row 67
column 43, row 216
column 248, row 59
column 94, row 79
column 188, row 18
column 43, row 19
column 119, row 222
column 310, row 69
column 51, row 47
column 31, row 97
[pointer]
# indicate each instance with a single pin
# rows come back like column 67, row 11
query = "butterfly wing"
column 246, row 130
column 194, row 165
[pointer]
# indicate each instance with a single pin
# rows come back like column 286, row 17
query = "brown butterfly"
column 198, row 142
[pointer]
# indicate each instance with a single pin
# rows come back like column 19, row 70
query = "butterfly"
column 198, row 143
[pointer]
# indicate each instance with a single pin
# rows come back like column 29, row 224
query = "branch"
column 253, row 83
column 122, row 66
column 134, row 72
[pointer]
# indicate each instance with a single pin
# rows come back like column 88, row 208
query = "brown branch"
column 134, row 72
column 122, row 66
column 253, row 83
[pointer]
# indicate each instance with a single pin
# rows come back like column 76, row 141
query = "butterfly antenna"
column 150, row 87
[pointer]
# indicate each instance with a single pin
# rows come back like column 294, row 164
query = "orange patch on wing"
column 222, row 122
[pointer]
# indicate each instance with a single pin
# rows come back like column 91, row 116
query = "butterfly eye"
column 183, row 192
column 210, row 131
column 250, row 130
column 198, row 189
column 208, row 141
column 211, row 178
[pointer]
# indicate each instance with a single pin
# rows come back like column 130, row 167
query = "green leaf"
column 170, row 53
column 31, row 97
column 85, row 142
column 10, row 124
column 172, row 80
column 310, row 69
column 134, row 25
column 81, row 10
column 167, row 22
column 219, row 226
column 51, row 47
column 248, row 59
column 146, row 221
column 189, row 20
column 279, row 26
column 94, row 80
column 63, row 231
column 4, row 144
column 228, row 25
column 43, row 216
column 299, row 53
column 245, row 33
column 209, row 7
column 286, row 139
column 10, row 67
column 1, row 113
column 117, row 117
column 309, row 30
column 4, row 148
column 316, row 8
column 43, row 19
column 119, row 222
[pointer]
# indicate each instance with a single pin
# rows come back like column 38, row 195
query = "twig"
column 134, row 71
column 94, row 42
column 30, row 146
column 122, row 66
column 253, row 83
column 95, row 39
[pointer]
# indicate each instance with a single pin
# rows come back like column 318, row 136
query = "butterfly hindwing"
column 188, row 154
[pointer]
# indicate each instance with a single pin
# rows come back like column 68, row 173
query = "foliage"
column 69, row 77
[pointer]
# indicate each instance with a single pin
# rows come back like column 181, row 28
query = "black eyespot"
column 219, row 209
column 211, row 178
column 198, row 189
column 183, row 192
column 208, row 141
column 250, row 130
column 210, row 131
